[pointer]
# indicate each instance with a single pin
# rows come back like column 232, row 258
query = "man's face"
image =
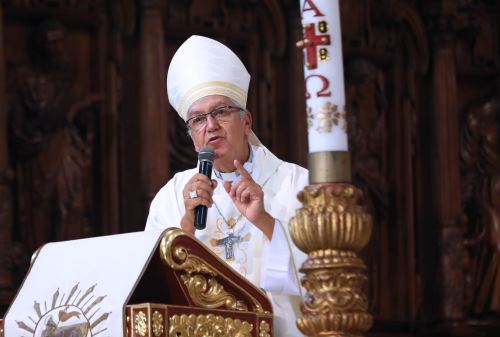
column 227, row 138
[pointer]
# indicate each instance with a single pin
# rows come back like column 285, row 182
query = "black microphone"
column 206, row 158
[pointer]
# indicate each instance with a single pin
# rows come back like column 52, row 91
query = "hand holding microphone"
column 206, row 158
column 198, row 193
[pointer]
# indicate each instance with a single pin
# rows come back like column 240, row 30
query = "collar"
column 261, row 164
column 232, row 176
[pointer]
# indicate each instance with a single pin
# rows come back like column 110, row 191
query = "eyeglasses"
column 220, row 114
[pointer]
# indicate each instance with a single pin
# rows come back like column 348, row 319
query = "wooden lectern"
column 186, row 290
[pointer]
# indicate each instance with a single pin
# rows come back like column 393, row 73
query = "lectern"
column 154, row 284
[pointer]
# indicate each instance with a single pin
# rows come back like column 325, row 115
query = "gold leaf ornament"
column 141, row 326
column 157, row 323
column 208, row 325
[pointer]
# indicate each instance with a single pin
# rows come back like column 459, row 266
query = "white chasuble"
column 244, row 248
column 270, row 265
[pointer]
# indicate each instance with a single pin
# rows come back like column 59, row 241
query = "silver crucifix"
column 228, row 242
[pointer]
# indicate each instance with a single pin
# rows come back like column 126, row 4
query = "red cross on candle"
column 311, row 40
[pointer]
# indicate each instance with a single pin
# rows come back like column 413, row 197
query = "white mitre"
column 202, row 67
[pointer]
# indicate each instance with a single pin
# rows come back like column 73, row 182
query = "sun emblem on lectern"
column 75, row 315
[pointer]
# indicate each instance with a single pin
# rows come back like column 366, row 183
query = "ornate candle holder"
column 331, row 228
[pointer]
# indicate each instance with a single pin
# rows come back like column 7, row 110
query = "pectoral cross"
column 228, row 242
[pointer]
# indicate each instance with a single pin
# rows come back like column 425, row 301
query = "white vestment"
column 267, row 264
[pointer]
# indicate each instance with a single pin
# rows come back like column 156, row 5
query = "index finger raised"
column 244, row 173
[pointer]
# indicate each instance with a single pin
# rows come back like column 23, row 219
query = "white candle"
column 324, row 75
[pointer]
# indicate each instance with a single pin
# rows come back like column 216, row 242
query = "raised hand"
column 248, row 197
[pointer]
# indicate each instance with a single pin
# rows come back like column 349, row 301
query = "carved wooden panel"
column 86, row 6
column 52, row 132
column 57, row 128
column 477, row 47
column 381, row 140
column 425, row 258
column 422, row 86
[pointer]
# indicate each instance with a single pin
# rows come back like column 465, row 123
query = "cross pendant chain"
column 232, row 221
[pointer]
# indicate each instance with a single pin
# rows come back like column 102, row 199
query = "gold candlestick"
column 331, row 228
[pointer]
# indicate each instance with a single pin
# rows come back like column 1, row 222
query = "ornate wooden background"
column 87, row 137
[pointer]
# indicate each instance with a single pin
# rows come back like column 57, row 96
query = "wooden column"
column 5, row 184
column 444, row 186
column 153, row 155
column 108, row 86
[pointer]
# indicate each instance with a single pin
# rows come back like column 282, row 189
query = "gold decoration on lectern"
column 200, row 278
column 208, row 325
column 211, row 294
column 264, row 329
column 127, row 320
column 331, row 228
column 141, row 326
column 157, row 323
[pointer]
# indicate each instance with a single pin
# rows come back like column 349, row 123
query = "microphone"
column 206, row 158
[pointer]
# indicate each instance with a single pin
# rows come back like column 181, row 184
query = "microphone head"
column 206, row 154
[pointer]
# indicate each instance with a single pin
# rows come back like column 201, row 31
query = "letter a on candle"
column 312, row 7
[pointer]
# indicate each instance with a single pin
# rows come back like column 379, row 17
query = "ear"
column 247, row 120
